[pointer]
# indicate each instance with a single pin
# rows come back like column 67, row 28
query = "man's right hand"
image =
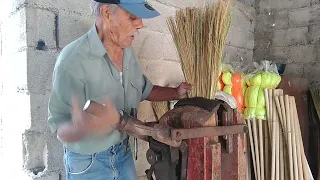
column 101, row 118
column 83, row 123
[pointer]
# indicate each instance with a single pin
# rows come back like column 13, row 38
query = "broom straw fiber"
column 199, row 36
column 160, row 108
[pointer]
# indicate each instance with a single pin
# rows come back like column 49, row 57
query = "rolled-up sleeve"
column 64, row 86
column 146, row 87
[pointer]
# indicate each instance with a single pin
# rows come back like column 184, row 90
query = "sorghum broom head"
column 199, row 36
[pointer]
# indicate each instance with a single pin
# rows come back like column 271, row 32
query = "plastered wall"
column 32, row 34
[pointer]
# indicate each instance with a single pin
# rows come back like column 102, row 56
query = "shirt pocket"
column 135, row 92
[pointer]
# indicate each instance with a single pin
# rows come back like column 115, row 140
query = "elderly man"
column 101, row 66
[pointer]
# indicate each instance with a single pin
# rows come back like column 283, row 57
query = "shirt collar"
column 97, row 48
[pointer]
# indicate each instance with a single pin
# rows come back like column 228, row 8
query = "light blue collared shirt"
column 84, row 69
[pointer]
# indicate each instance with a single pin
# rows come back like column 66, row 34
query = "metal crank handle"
column 181, row 134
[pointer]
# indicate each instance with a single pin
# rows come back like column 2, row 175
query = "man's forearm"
column 163, row 94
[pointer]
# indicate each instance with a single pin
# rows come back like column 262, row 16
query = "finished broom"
column 199, row 35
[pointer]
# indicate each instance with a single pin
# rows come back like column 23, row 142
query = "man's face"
column 123, row 26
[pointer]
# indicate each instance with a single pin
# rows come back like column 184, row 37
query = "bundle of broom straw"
column 199, row 36
column 160, row 108
column 276, row 144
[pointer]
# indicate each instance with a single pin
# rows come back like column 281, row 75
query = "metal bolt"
column 178, row 134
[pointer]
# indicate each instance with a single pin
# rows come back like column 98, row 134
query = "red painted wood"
column 195, row 159
column 209, row 160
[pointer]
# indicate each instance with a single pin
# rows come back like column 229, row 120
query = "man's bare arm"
column 167, row 94
column 163, row 94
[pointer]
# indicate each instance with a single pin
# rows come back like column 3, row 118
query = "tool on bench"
column 169, row 148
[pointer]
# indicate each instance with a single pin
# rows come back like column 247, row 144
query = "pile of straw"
column 199, row 35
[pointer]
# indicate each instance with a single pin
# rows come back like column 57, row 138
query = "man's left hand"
column 183, row 89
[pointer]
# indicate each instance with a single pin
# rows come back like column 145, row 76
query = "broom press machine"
column 169, row 138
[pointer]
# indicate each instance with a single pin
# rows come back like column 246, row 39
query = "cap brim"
column 142, row 10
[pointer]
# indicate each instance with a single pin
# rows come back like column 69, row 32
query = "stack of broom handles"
column 276, row 143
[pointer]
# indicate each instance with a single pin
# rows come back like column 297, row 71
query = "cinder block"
column 145, row 112
column 237, row 56
column 293, row 54
column 260, row 54
column 317, row 49
column 294, row 70
column 170, row 50
column 162, row 72
column 293, row 36
column 14, row 29
column 139, row 40
column 54, row 155
column 80, row 6
column 41, row 26
column 34, row 144
column 311, row 71
column 240, row 38
column 298, row 3
column 299, row 17
column 271, row 5
column 314, row 33
column 248, row 2
column 263, row 6
column 272, row 21
column 281, row 20
column 153, row 46
column 159, row 23
column 315, row 14
column 302, row 54
column 72, row 26
column 179, row 3
column 279, row 54
column 314, row 2
column 280, row 38
column 40, row 69
column 243, row 17
column 39, row 112
column 49, row 176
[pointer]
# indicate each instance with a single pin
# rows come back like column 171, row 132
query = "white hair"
column 95, row 7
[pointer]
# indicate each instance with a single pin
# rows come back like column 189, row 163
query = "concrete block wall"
column 288, row 32
column 32, row 34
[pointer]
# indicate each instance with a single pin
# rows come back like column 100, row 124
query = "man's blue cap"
column 139, row 8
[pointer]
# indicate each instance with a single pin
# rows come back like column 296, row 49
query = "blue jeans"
column 112, row 164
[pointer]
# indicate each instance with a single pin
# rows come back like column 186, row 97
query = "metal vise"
column 192, row 125
column 192, row 120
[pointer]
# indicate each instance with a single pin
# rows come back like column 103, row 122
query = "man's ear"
column 105, row 12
